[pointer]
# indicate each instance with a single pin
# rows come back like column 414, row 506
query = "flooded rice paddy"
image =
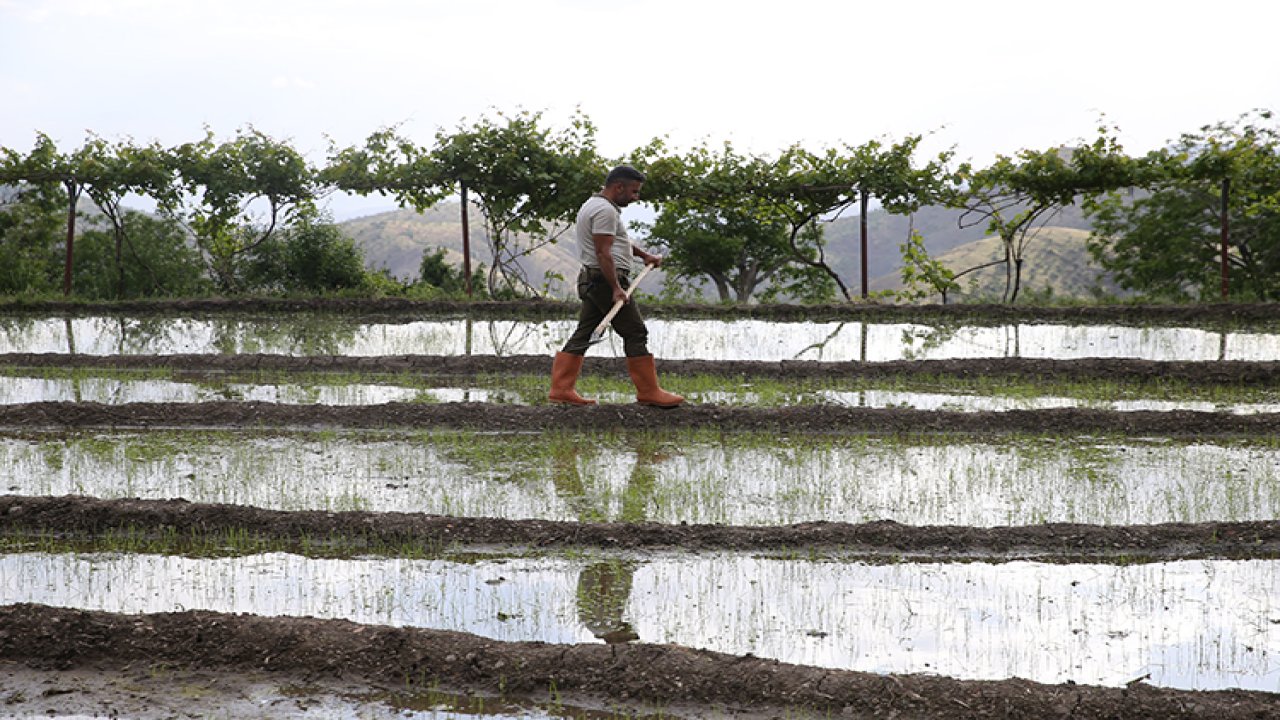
column 1187, row 624
column 759, row 340
column 17, row 389
column 1179, row 623
column 115, row 391
column 689, row 478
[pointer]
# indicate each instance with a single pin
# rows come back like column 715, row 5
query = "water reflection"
column 312, row 334
column 1189, row 624
column 998, row 403
column 603, row 587
column 1016, row 481
column 603, row 591
column 114, row 391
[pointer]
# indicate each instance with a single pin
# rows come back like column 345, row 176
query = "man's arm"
column 604, row 260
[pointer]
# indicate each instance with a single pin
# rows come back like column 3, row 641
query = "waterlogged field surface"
column 119, row 390
column 674, row 339
column 1189, row 624
column 1200, row 624
column 114, row 391
column 694, row 478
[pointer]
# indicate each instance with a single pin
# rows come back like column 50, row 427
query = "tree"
column 110, row 171
column 387, row 164
column 104, row 172
column 1018, row 196
column 735, row 250
column 738, row 249
column 1165, row 238
column 923, row 275
column 46, row 167
column 800, row 188
column 527, row 181
column 236, row 193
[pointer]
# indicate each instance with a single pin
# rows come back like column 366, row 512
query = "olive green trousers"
column 597, row 299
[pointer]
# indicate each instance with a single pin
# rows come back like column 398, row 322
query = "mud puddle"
column 697, row 478
column 744, row 339
column 144, row 691
column 1188, row 624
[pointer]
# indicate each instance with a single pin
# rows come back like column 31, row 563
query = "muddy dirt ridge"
column 85, row 518
column 491, row 417
column 55, row 638
column 1229, row 372
column 411, row 310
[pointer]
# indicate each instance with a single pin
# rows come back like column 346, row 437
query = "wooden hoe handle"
column 613, row 311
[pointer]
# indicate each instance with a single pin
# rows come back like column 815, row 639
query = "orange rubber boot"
column 644, row 373
column 564, row 376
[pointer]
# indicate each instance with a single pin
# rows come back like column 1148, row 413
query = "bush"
column 436, row 272
column 31, row 224
column 309, row 256
column 156, row 258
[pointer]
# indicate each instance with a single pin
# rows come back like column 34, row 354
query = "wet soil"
column 84, row 518
column 110, row 689
column 489, row 417
column 1229, row 372
column 640, row 675
column 411, row 310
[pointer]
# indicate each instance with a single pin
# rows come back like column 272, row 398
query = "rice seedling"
column 1103, row 624
column 703, row 476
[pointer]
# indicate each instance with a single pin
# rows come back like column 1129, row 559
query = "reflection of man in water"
column 603, row 591
column 604, row 587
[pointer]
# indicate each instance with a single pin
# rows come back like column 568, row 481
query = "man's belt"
column 623, row 275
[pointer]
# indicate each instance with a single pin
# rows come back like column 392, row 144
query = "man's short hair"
column 621, row 173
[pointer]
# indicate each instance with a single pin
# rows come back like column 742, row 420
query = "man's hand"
column 620, row 295
column 649, row 259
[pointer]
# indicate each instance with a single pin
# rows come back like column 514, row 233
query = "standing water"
column 673, row 339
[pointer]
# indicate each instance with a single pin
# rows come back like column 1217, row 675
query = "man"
column 607, row 256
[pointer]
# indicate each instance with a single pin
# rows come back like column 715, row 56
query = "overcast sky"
column 984, row 76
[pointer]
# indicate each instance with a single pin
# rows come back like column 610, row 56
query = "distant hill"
column 939, row 226
column 396, row 241
column 1056, row 261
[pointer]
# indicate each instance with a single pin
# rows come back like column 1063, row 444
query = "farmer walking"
column 607, row 256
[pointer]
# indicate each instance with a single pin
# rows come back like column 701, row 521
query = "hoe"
column 598, row 335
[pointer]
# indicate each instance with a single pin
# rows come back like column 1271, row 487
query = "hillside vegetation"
column 940, row 227
column 396, row 241
column 1056, row 261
